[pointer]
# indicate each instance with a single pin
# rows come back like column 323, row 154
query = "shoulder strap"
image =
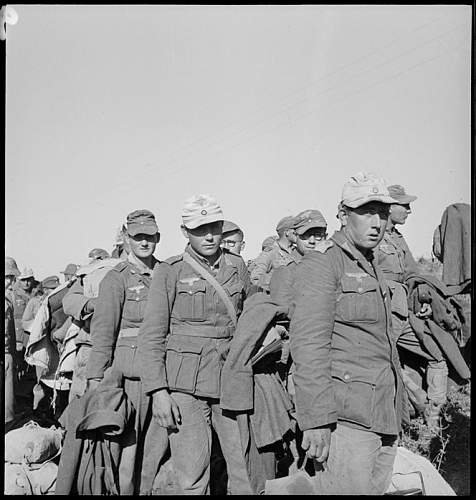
column 221, row 292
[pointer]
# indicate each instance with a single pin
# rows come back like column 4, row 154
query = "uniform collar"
column 366, row 261
column 139, row 265
column 203, row 260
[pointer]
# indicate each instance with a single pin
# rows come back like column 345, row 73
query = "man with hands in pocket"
column 349, row 392
column 183, row 341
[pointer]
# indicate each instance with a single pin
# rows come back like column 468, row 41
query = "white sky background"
column 267, row 108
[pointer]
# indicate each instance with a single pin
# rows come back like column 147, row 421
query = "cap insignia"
column 203, row 212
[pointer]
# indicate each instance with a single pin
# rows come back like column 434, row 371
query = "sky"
column 269, row 109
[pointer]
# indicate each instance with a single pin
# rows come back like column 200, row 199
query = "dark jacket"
column 242, row 387
column 187, row 329
column 120, row 305
column 347, row 365
column 91, row 451
column 443, row 326
column 452, row 246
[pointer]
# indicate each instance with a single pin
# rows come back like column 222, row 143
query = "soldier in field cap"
column 190, row 318
column 69, row 271
column 118, row 314
column 233, row 237
column 280, row 255
column 22, row 293
column 50, row 283
column 396, row 261
column 98, row 254
column 349, row 391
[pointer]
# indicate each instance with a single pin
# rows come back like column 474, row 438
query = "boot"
column 432, row 416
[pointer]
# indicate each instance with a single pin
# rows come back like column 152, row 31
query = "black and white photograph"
column 238, row 249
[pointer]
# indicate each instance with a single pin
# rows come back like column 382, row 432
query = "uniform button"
column 360, row 289
column 137, row 298
column 346, row 376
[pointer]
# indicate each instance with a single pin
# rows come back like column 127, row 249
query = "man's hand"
column 89, row 306
column 165, row 409
column 317, row 443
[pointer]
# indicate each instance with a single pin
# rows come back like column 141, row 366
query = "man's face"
column 67, row 277
column 9, row 280
column 365, row 225
column 233, row 242
column 291, row 236
column 142, row 245
column 205, row 239
column 26, row 284
column 398, row 213
column 307, row 241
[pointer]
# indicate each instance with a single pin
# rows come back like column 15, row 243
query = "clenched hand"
column 165, row 409
column 317, row 442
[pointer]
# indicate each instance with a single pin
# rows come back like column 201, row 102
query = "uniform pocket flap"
column 187, row 345
column 388, row 249
column 358, row 285
column 356, row 374
column 191, row 288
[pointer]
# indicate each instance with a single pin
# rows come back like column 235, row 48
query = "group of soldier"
column 164, row 328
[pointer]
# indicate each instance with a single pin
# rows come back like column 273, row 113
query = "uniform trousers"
column 190, row 446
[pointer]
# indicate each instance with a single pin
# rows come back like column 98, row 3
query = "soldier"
column 396, row 261
column 22, row 291
column 349, row 396
column 32, row 307
column 189, row 321
column 311, row 231
column 69, row 271
column 50, row 283
column 11, row 273
column 233, row 237
column 281, row 254
column 118, row 314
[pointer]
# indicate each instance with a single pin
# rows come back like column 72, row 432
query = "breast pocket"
column 358, row 300
column 355, row 395
column 235, row 292
column 391, row 258
column 134, row 305
column 191, row 301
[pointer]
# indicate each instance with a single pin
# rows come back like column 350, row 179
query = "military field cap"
column 26, row 273
column 141, row 222
column 308, row 219
column 364, row 187
column 11, row 268
column 70, row 269
column 201, row 209
column 229, row 226
column 268, row 242
column 50, row 282
column 397, row 192
column 98, row 254
column 285, row 223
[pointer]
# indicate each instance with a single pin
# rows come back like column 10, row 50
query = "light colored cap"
column 141, row 222
column 98, row 254
column 364, row 187
column 26, row 273
column 229, row 227
column 398, row 193
column 201, row 209
column 309, row 219
column 11, row 268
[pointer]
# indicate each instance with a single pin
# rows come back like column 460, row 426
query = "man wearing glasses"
column 233, row 237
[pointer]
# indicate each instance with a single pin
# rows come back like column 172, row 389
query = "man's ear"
column 158, row 238
column 243, row 243
column 343, row 215
column 184, row 231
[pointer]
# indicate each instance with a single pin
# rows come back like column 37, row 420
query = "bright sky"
column 267, row 108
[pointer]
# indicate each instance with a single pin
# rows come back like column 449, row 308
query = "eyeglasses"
column 317, row 237
column 230, row 243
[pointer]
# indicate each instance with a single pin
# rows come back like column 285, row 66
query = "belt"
column 128, row 332
column 211, row 332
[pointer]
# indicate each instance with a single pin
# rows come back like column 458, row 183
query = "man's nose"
column 375, row 220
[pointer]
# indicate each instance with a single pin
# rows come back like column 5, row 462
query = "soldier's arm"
column 410, row 264
column 105, row 323
column 280, row 286
column 310, row 340
column 262, row 265
column 155, row 328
